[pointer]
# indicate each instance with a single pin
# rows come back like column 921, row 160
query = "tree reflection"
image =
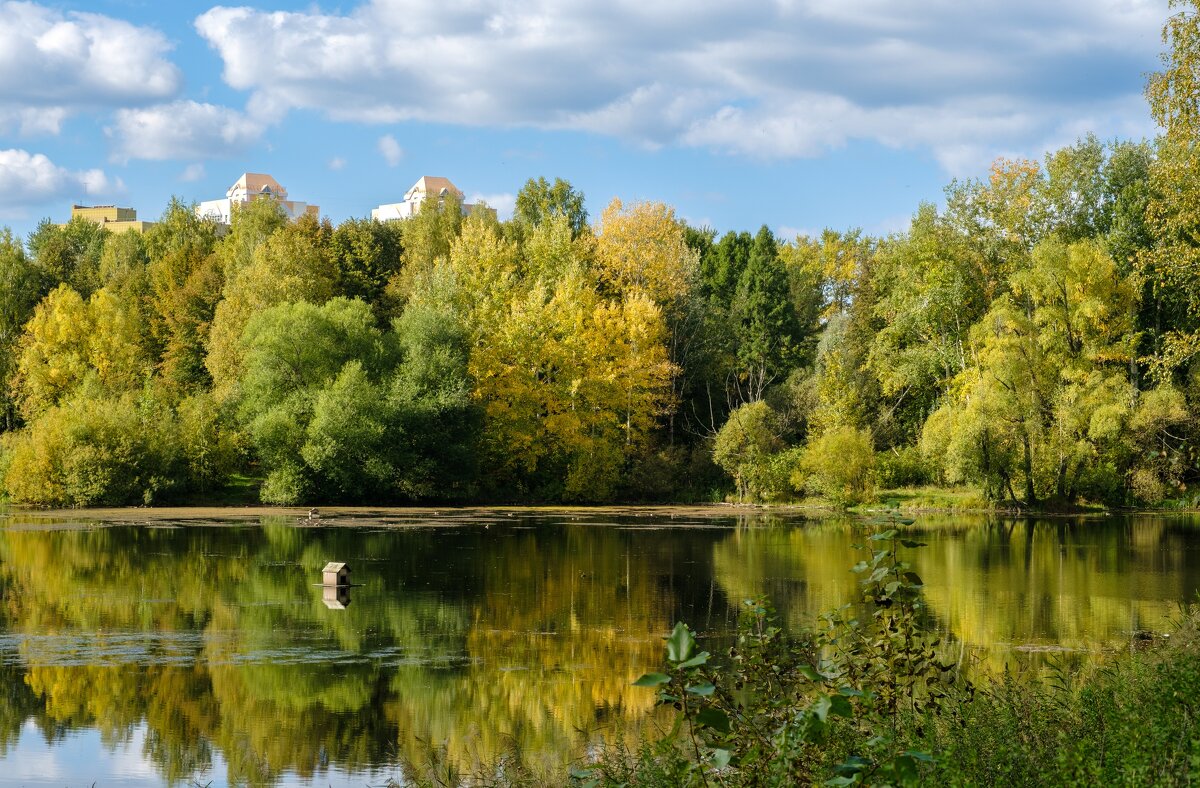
column 477, row 641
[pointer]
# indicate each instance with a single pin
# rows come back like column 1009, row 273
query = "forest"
column 1036, row 340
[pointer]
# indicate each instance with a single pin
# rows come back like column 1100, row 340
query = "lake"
column 198, row 647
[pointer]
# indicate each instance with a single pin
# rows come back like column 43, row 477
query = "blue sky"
column 800, row 114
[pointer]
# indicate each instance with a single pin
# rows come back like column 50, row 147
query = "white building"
column 253, row 186
column 428, row 187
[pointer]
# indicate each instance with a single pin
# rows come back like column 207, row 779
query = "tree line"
column 1038, row 338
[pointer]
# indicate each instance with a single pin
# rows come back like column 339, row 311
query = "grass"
column 956, row 499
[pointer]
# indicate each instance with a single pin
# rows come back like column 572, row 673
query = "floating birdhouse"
column 335, row 573
column 336, row 597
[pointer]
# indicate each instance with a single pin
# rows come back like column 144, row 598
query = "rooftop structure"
column 427, row 187
column 253, row 186
column 110, row 217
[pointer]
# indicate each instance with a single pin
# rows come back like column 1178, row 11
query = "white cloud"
column 31, row 121
column 391, row 150
column 53, row 63
column 337, row 163
column 787, row 78
column 31, row 179
column 504, row 203
column 192, row 173
column 182, row 130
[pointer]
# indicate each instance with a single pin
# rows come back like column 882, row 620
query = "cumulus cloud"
column 53, row 63
column 391, row 150
column 787, row 78
column 29, row 179
column 182, row 130
column 337, row 164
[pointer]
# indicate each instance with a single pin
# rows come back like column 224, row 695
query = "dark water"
column 204, row 652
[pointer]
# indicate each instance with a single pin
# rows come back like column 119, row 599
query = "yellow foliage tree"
column 572, row 383
column 68, row 341
column 643, row 249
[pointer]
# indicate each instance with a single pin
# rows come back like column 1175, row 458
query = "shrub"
column 840, row 466
column 904, row 467
column 93, row 452
column 744, row 446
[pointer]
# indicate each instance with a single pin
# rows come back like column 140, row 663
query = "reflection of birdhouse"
column 335, row 574
column 336, row 597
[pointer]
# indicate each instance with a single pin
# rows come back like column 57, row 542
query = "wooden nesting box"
column 335, row 573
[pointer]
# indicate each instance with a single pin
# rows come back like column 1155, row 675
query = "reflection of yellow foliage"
column 989, row 585
column 217, row 639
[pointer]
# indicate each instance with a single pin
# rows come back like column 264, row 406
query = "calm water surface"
column 196, row 651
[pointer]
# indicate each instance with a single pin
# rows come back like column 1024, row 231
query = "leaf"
column 836, row 705
column 913, row 578
column 713, row 718
column 905, row 769
column 707, row 688
column 696, row 661
column 883, row 536
column 852, row 765
column 720, row 757
column 810, row 673
column 861, row 566
column 680, row 643
column 652, row 680
column 912, row 543
column 841, row 781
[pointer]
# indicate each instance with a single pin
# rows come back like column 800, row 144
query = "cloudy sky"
column 800, row 114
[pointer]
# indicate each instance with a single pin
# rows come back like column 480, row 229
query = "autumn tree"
column 69, row 342
column 1048, row 395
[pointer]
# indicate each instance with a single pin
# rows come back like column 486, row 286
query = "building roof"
column 257, row 183
column 335, row 566
column 433, row 185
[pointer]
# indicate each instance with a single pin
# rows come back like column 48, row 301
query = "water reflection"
column 217, row 649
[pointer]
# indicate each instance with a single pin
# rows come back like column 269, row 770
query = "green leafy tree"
column 367, row 254
column 765, row 325
column 94, row 450
column 1049, row 394
column 293, row 264
column 539, row 200
column 22, row 286
column 1173, row 210
column 185, row 281
column 292, row 352
column 744, row 446
column 70, row 253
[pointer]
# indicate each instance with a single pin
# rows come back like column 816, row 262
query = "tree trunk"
column 1030, row 496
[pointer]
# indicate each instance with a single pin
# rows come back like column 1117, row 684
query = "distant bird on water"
column 313, row 514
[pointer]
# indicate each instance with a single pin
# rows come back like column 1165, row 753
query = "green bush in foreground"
column 868, row 702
